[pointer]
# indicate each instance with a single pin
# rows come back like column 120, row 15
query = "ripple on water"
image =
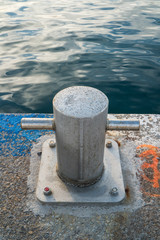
column 47, row 47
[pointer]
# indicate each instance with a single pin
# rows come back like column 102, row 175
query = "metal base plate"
column 100, row 192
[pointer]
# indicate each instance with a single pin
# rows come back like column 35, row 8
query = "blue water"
column 46, row 46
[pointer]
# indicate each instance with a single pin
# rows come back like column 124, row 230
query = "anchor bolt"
column 52, row 144
column 47, row 191
column 114, row 191
column 109, row 144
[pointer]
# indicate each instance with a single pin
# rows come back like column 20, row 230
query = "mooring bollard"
column 80, row 119
column 80, row 123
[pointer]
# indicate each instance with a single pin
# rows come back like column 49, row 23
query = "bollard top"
column 80, row 102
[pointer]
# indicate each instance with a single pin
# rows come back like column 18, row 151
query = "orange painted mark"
column 152, row 153
column 151, row 194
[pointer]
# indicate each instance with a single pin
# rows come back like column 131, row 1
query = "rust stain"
column 118, row 142
column 151, row 154
column 127, row 191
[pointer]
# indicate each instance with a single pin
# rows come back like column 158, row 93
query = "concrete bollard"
column 80, row 119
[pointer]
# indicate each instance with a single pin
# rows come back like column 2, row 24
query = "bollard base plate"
column 109, row 189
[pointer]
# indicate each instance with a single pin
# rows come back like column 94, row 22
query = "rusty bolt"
column 52, row 144
column 114, row 191
column 109, row 144
column 47, row 191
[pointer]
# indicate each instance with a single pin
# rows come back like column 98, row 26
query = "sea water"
column 48, row 45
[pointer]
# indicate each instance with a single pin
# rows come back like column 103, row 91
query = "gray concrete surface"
column 24, row 217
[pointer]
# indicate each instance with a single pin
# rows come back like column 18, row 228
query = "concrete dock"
column 22, row 216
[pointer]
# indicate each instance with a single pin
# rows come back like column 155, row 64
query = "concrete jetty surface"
column 22, row 216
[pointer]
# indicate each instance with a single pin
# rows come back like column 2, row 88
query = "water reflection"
column 47, row 47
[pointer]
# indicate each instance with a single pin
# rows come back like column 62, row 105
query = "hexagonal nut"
column 114, row 191
column 52, row 143
column 47, row 191
column 109, row 144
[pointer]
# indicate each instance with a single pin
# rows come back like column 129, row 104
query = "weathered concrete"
column 24, row 217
